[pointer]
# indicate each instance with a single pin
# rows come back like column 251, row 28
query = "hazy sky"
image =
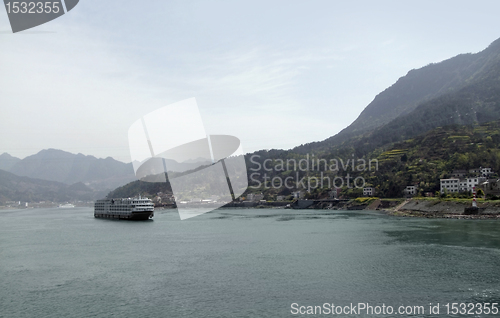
column 276, row 74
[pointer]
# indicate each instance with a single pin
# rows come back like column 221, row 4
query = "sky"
column 275, row 74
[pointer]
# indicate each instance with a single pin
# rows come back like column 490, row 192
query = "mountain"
column 460, row 90
column 175, row 166
column 68, row 168
column 137, row 187
column 16, row 188
column 7, row 161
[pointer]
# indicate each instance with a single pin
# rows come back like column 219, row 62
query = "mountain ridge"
column 417, row 87
column 7, row 161
column 25, row 189
column 65, row 167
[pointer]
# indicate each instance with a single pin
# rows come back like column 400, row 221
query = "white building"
column 462, row 185
column 486, row 172
column 483, row 172
column 474, row 182
column 258, row 197
column 451, row 185
column 368, row 191
column 255, row 197
column 335, row 193
column 298, row 195
column 468, row 184
column 410, row 190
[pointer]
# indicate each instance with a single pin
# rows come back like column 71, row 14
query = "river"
column 242, row 263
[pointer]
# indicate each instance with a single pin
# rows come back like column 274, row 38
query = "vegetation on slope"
column 420, row 161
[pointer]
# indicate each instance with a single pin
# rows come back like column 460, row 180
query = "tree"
column 480, row 193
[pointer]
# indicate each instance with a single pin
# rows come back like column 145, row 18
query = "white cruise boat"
column 66, row 206
column 125, row 208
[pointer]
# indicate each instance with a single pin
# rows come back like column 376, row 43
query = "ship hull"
column 134, row 216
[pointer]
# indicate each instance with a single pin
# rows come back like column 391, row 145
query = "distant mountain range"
column 58, row 175
column 7, row 161
column 81, row 177
column 24, row 189
column 68, row 168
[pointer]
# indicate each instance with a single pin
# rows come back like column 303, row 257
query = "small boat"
column 66, row 206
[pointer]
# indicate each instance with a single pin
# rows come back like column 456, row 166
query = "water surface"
column 239, row 263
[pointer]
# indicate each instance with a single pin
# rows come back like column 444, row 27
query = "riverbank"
column 450, row 209
column 414, row 207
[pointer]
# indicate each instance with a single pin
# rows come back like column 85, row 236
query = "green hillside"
column 434, row 155
column 420, row 161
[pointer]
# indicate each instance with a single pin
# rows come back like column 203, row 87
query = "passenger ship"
column 127, row 209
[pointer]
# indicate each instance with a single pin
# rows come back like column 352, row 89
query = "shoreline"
column 399, row 207
column 444, row 209
column 434, row 215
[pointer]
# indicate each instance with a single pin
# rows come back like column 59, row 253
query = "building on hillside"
column 491, row 187
column 459, row 173
column 280, row 198
column 255, row 197
column 486, row 172
column 410, row 190
column 259, row 197
column 298, row 195
column 475, row 171
column 454, row 185
column 483, row 172
column 335, row 194
column 450, row 185
column 473, row 182
column 462, row 185
column 468, row 184
column 368, row 191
